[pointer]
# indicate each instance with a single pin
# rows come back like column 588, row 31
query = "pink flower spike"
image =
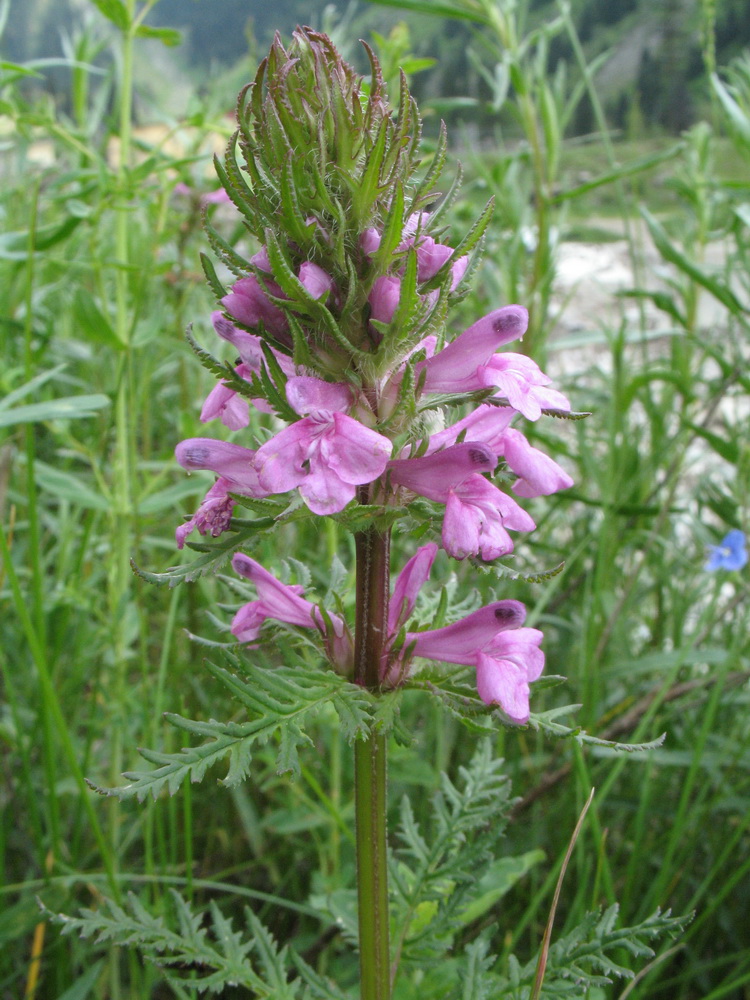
column 477, row 515
column 213, row 515
column 434, row 476
column 306, row 393
column 457, row 368
column 326, row 455
column 538, row 474
column 285, row 603
column 408, row 584
column 384, row 298
column 231, row 461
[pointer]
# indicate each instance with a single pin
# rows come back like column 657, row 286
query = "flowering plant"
column 340, row 323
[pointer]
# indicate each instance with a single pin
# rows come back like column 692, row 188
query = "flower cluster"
column 339, row 323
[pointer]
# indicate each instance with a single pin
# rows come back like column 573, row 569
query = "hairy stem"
column 370, row 760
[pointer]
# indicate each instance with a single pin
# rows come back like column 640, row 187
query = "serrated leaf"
column 215, row 556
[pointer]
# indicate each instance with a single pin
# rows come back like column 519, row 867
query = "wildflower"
column 476, row 511
column 230, row 461
column 285, row 603
column 730, row 553
column 326, row 454
column 213, row 515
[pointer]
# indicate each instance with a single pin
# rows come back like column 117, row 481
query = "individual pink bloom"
column 327, row 455
column 315, row 280
column 523, row 384
column 370, row 241
column 305, row 393
column 285, row 603
column 247, row 344
column 434, row 476
column 231, row 461
column 430, row 257
column 506, row 656
column 227, row 405
column 506, row 667
column 458, row 367
column 486, row 423
column 458, row 270
column 416, row 221
column 213, row 515
column 248, row 302
column 384, row 298
column 477, row 516
column 408, row 584
column 216, row 197
column 538, row 475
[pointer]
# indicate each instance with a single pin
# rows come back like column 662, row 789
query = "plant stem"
column 370, row 762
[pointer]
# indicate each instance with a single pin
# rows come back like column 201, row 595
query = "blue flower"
column 730, row 553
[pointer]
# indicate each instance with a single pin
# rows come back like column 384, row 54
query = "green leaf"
column 92, row 322
column 15, row 245
column 63, row 408
column 167, row 36
column 115, row 11
column 675, row 256
column 278, row 702
column 439, row 8
column 82, row 987
column 66, row 486
column 498, row 880
column 212, row 559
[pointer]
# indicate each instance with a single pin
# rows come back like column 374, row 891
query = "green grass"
column 98, row 282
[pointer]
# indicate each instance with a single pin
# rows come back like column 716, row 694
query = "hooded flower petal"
column 478, row 519
column 455, row 368
column 505, row 668
column 408, row 584
column 228, row 406
column 523, row 384
column 384, row 298
column 463, row 640
column 306, row 393
column 434, row 476
column 315, row 280
column 247, row 301
column 538, row 474
column 235, row 463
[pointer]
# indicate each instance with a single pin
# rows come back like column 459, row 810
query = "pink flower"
column 226, row 404
column 433, row 476
column 384, row 298
column 477, row 513
column 213, row 515
column 285, row 603
column 538, row 474
column 458, row 367
column 523, row 384
column 326, row 454
column 506, row 657
column 248, row 302
column 232, row 462
column 408, row 584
